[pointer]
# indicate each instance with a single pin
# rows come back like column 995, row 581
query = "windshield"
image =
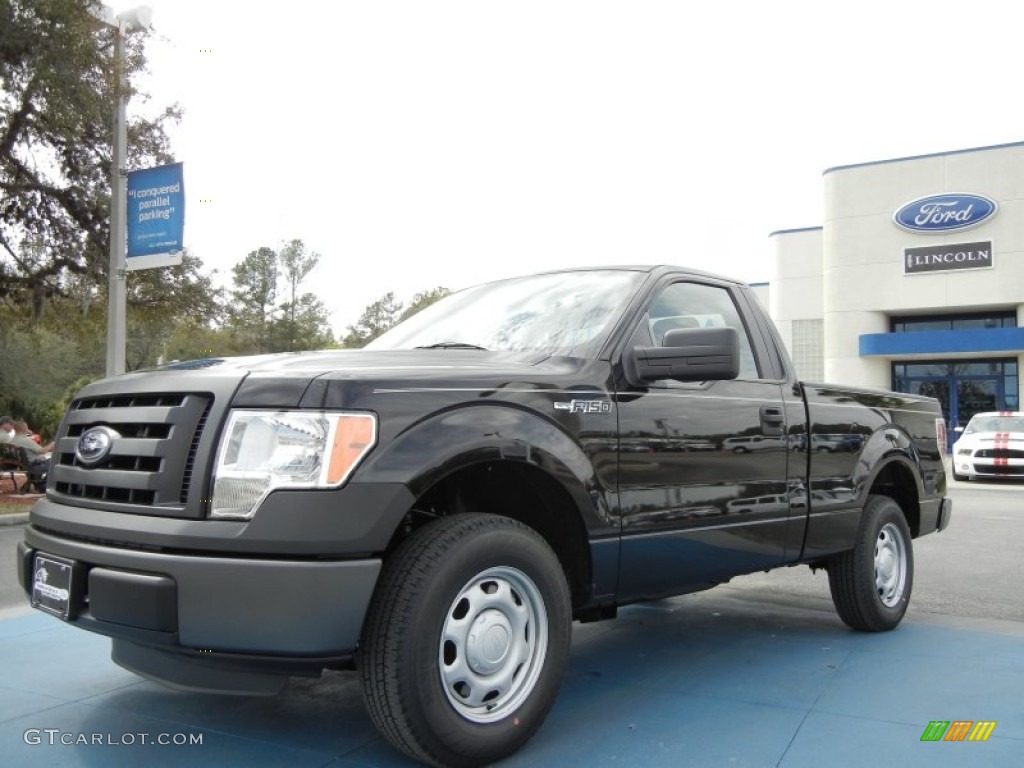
column 564, row 313
column 991, row 422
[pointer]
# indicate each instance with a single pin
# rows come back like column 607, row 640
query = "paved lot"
column 759, row 672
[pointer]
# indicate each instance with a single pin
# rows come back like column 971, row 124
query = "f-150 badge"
column 584, row 406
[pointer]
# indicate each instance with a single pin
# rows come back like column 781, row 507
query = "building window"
column 809, row 349
column 962, row 387
column 969, row 322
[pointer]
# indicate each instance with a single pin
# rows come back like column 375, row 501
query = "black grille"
column 1002, row 470
column 998, row 453
column 190, row 461
column 107, row 493
column 155, row 431
column 129, row 401
column 150, row 464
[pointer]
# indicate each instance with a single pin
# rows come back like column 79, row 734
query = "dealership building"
column 915, row 280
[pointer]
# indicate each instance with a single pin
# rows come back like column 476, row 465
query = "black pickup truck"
column 436, row 509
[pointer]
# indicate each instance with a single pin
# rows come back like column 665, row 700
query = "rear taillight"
column 940, row 436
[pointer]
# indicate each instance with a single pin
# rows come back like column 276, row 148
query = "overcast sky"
column 422, row 143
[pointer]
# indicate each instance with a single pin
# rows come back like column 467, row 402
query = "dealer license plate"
column 51, row 584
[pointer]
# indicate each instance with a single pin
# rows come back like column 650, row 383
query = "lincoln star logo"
column 944, row 213
column 94, row 445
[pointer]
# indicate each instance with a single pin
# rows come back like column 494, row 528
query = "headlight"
column 963, row 452
column 261, row 451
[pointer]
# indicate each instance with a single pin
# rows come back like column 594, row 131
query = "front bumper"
column 989, row 463
column 259, row 613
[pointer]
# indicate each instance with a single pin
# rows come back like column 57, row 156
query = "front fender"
column 446, row 442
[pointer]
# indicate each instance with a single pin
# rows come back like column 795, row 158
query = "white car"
column 992, row 445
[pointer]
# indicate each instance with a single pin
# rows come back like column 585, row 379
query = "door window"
column 694, row 305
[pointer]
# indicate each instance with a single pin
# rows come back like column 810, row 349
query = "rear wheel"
column 871, row 583
column 466, row 640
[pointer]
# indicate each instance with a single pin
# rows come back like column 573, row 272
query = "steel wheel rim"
column 890, row 565
column 493, row 643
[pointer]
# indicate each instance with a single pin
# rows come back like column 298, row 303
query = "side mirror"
column 958, row 430
column 688, row 354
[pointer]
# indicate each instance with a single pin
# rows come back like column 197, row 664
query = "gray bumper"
column 945, row 514
column 298, row 609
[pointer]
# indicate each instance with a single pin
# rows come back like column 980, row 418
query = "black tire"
column 961, row 478
column 446, row 695
column 871, row 583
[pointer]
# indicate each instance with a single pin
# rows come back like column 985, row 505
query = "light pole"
column 136, row 20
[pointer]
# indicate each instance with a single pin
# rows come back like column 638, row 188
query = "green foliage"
column 45, row 355
column 376, row 318
column 39, row 363
column 385, row 313
column 258, row 320
column 423, row 300
column 57, row 94
column 304, row 324
column 162, row 300
column 56, row 105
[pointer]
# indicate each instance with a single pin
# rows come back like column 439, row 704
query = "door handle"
column 773, row 421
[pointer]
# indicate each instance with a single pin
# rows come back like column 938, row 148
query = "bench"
column 14, row 459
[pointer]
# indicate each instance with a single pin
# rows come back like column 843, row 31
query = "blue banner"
column 156, row 216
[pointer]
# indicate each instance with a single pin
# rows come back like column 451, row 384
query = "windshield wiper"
column 452, row 345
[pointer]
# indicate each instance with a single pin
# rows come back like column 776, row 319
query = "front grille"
column 150, row 465
column 130, row 401
column 998, row 453
column 1000, row 469
column 190, row 461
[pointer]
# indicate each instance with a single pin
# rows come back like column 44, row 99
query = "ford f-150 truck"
column 435, row 510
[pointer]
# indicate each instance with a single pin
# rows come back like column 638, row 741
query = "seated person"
column 16, row 433
column 6, row 429
column 27, row 436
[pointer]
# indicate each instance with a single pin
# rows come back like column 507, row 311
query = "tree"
column 46, row 353
column 305, row 325
column 163, row 299
column 56, row 101
column 376, row 318
column 296, row 265
column 254, row 298
column 258, row 320
column 385, row 313
column 423, row 300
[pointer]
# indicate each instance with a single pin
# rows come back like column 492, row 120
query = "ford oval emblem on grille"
column 94, row 445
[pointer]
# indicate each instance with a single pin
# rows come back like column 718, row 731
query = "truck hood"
column 281, row 379
column 346, row 363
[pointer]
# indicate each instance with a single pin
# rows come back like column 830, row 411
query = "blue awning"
column 942, row 342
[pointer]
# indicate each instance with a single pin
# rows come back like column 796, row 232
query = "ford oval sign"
column 94, row 445
column 944, row 213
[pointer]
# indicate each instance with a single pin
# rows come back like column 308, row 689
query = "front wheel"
column 871, row 583
column 466, row 640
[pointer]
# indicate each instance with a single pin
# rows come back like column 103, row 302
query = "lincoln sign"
column 941, row 258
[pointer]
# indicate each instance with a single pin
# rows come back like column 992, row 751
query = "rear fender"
column 885, row 447
column 885, row 458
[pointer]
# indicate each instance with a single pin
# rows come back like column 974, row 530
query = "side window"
column 693, row 305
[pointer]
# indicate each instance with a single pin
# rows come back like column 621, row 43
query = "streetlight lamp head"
column 137, row 19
